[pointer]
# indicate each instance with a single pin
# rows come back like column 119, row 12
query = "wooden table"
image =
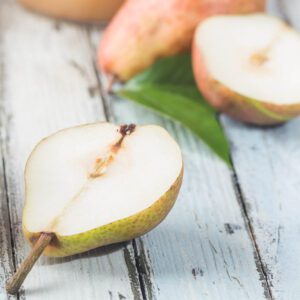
column 231, row 235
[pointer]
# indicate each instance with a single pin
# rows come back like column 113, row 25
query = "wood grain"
column 49, row 83
column 203, row 246
column 267, row 165
column 202, row 250
column 227, row 238
column 6, row 253
column 6, row 241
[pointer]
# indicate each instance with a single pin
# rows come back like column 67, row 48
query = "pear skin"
column 143, row 31
column 234, row 104
column 115, row 232
column 75, row 10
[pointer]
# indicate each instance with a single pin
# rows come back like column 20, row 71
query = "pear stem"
column 110, row 82
column 14, row 284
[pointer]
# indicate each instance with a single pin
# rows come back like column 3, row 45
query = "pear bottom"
column 115, row 232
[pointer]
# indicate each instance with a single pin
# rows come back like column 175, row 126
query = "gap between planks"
column 141, row 262
column 278, row 8
column 5, row 125
column 110, row 118
column 7, row 251
column 257, row 255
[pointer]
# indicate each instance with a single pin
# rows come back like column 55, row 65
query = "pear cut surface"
column 255, row 55
column 92, row 175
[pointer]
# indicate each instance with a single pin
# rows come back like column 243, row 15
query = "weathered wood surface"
column 203, row 249
column 48, row 83
column 6, row 241
column 6, row 253
column 224, row 239
column 267, row 163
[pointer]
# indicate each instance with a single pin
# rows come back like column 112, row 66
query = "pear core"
column 256, row 56
column 85, row 177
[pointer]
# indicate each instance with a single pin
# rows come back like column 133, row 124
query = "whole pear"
column 75, row 10
column 143, row 31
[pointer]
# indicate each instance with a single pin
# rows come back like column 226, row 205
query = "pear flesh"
column 99, row 184
column 249, row 67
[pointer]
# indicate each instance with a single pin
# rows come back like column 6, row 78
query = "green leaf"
column 168, row 87
column 170, row 70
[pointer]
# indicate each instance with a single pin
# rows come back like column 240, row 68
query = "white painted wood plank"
column 6, row 255
column 267, row 162
column 274, row 7
column 290, row 10
column 6, row 251
column 50, row 84
column 202, row 250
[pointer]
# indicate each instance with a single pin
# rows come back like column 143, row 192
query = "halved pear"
column 99, row 184
column 249, row 67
